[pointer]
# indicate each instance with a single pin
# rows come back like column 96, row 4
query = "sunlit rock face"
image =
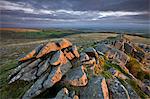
column 110, row 69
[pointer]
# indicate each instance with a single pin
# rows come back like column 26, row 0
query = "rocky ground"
column 113, row 68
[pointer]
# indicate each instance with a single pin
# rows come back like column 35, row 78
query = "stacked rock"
column 46, row 64
column 61, row 62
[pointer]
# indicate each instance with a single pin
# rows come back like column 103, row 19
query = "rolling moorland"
column 16, row 43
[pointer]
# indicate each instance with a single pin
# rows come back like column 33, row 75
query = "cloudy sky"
column 59, row 13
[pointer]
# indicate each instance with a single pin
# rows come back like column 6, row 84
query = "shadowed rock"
column 91, row 52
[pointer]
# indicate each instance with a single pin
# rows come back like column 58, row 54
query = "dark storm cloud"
column 74, row 10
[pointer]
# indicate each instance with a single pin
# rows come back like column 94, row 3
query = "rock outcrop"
column 105, row 71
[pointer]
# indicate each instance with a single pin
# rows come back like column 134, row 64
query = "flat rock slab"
column 48, row 80
column 93, row 90
column 76, row 77
column 117, row 90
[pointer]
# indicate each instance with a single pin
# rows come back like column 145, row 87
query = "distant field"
column 19, row 30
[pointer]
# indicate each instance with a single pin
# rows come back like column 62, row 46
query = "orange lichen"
column 65, row 43
column 104, row 89
column 69, row 55
column 28, row 56
column 48, row 48
column 57, row 76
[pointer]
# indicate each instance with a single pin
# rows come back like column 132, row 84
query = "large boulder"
column 76, row 77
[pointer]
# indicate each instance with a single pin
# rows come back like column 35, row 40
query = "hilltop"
column 108, row 68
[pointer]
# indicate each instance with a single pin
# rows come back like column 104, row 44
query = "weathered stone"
column 104, row 89
column 84, row 57
column 56, row 74
column 31, row 75
column 91, row 52
column 128, row 48
column 32, row 54
column 43, row 67
column 118, row 45
column 131, row 92
column 65, row 43
column 117, row 90
column 36, row 88
column 76, row 77
column 26, row 70
column 102, row 48
column 139, row 55
column 48, row 80
column 58, row 58
column 49, row 47
column 75, row 51
column 91, row 61
column 69, row 55
column 75, row 97
column 63, row 94
column 16, row 70
column 93, row 90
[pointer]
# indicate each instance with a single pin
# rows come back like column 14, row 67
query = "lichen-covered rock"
column 76, row 77
column 65, row 43
column 32, row 54
column 93, row 90
column 63, row 94
column 102, row 48
column 140, row 55
column 36, row 88
column 105, row 89
column 117, row 90
column 69, row 55
column 91, row 52
column 84, row 57
column 24, row 71
column 128, row 48
column 43, row 67
column 49, row 47
column 58, row 58
column 75, row 51
column 48, row 80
